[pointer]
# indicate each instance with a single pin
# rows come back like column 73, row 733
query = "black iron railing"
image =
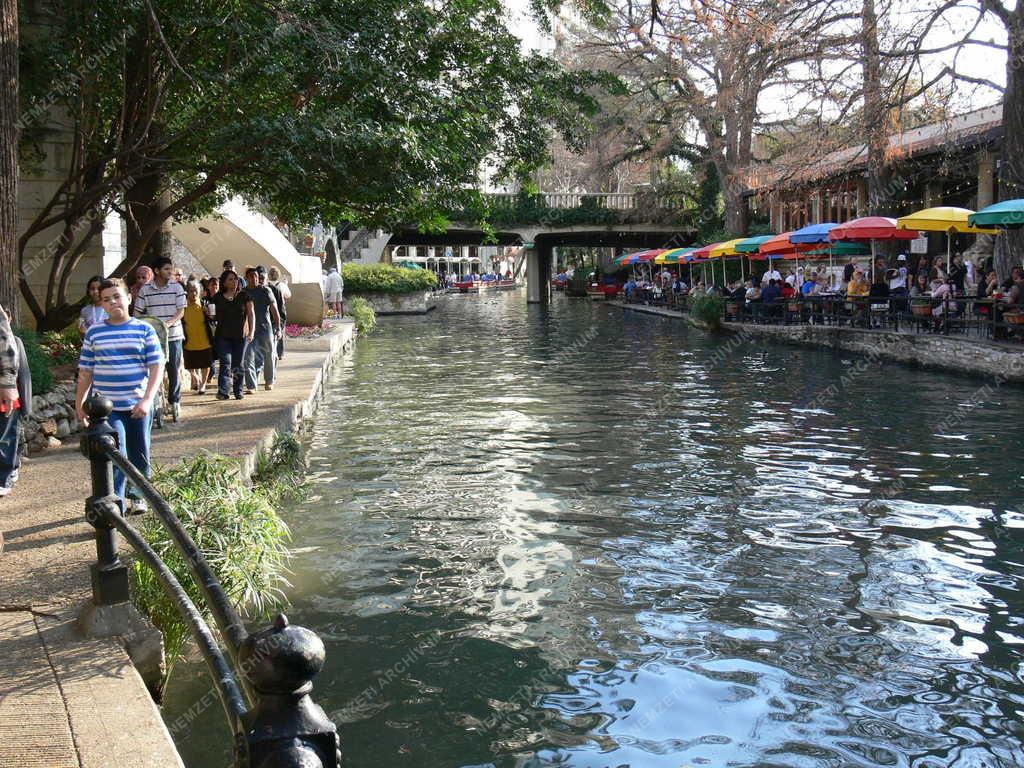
column 963, row 316
column 274, row 721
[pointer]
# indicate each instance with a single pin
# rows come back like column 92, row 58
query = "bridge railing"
column 616, row 201
column 274, row 722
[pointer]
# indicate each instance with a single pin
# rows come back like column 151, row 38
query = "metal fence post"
column 286, row 729
column 109, row 574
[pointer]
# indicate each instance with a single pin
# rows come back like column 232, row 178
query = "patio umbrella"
column 943, row 219
column 871, row 229
column 728, row 248
column 812, row 233
column 750, row 246
column 673, row 256
column 1008, row 214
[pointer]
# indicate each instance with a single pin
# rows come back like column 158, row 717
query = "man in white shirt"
column 164, row 298
column 770, row 274
column 334, row 289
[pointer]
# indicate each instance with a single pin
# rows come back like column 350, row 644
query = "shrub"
column 362, row 312
column 384, row 278
column 707, row 309
column 234, row 525
column 63, row 347
column 39, row 363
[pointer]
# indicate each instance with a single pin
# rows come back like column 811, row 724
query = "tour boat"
column 603, row 292
column 479, row 286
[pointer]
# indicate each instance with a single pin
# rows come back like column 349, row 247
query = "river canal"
column 574, row 536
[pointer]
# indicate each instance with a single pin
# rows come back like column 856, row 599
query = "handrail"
column 224, row 614
column 283, row 728
column 224, row 679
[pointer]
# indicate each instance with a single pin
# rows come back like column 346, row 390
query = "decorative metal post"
column 286, row 729
column 109, row 574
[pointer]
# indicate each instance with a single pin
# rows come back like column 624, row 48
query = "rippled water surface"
column 572, row 536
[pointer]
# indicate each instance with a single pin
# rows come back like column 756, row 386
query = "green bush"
column 63, row 347
column 384, row 278
column 39, row 363
column 363, row 314
column 707, row 309
column 235, row 526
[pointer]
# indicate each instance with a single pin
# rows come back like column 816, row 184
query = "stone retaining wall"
column 417, row 303
column 53, row 418
column 1002, row 361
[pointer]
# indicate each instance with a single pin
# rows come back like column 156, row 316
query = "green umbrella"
column 1008, row 214
column 409, row 265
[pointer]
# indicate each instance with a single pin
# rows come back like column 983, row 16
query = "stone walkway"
column 70, row 701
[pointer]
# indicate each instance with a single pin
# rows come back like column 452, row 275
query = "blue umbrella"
column 813, row 233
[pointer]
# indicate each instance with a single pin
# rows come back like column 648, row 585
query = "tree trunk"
column 9, row 293
column 1009, row 249
column 144, row 203
column 876, row 124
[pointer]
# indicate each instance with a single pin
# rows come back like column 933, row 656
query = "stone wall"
column 1001, row 361
column 417, row 303
column 53, row 418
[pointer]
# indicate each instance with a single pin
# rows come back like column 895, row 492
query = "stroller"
column 160, row 399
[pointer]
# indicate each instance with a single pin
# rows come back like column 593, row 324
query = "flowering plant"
column 296, row 331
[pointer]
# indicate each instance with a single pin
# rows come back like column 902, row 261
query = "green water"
column 571, row 536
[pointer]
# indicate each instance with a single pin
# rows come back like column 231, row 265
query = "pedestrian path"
column 70, row 701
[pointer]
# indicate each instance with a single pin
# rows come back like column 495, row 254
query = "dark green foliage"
column 384, row 278
column 235, row 526
column 363, row 315
column 707, row 309
column 39, row 362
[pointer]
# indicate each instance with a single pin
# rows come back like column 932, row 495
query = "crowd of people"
column 163, row 324
column 928, row 278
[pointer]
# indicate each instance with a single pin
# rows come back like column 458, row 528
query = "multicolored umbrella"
column 674, row 256
column 1008, row 214
column 812, row 233
column 752, row 244
column 871, row 229
column 943, row 219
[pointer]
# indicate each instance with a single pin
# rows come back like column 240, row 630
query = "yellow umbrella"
column 728, row 248
column 944, row 218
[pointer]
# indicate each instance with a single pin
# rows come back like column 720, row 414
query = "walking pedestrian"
column 164, row 299
column 92, row 312
column 334, row 289
column 121, row 360
column 232, row 308
column 262, row 344
column 284, row 292
column 198, row 342
column 14, row 376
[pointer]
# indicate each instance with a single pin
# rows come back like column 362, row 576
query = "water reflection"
column 639, row 554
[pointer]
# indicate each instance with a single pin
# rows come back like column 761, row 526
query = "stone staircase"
column 364, row 246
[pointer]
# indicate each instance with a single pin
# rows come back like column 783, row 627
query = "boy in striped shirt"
column 122, row 360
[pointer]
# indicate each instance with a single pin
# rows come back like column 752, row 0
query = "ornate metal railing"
column 274, row 721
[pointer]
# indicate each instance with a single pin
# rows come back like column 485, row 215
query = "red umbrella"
column 779, row 247
column 872, row 228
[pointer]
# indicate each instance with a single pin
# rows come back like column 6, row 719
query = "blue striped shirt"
column 119, row 357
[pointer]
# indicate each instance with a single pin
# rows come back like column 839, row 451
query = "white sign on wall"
column 919, row 244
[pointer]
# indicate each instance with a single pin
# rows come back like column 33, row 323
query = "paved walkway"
column 70, row 701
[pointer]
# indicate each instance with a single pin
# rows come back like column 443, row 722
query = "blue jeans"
column 133, row 437
column 173, row 369
column 260, row 353
column 230, row 354
column 9, row 458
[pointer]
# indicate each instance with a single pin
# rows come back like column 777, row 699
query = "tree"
column 708, row 64
column 374, row 112
column 9, row 156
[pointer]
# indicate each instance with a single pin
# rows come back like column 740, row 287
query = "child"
column 122, row 361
